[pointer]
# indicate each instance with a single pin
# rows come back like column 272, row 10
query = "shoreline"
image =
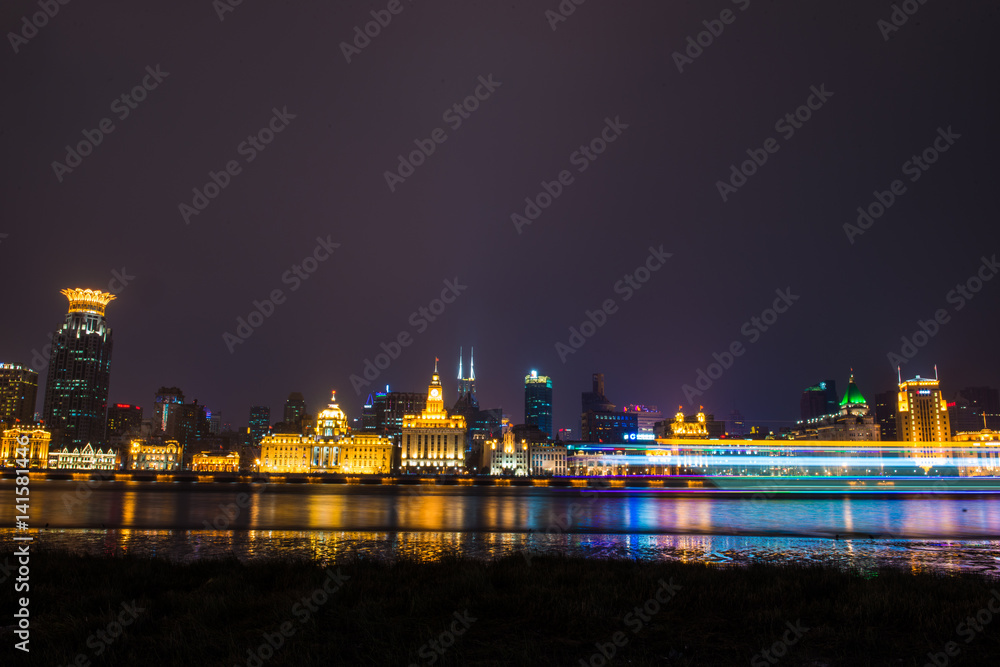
column 530, row 610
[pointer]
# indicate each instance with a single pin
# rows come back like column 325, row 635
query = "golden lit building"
column 922, row 412
column 155, row 455
column 83, row 459
column 215, row 462
column 285, row 453
column 682, row 428
column 366, row 454
column 509, row 457
column 38, row 446
column 433, row 441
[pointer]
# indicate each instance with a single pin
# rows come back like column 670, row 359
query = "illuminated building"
column 160, row 455
column 538, row 401
column 285, row 453
column 366, row 454
column 688, row 427
column 922, row 412
column 433, row 441
column 547, row 459
column 76, row 391
column 215, row 462
column 38, row 446
column 18, row 393
column 600, row 421
column 331, row 429
column 260, row 423
column 467, row 385
column 373, row 412
column 166, row 400
column 82, row 459
column 508, row 456
column 853, row 420
column 646, row 418
column 124, row 424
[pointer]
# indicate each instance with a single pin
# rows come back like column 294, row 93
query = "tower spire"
column 459, row 362
column 436, row 360
column 472, row 364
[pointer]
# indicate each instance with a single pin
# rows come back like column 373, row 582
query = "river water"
column 189, row 521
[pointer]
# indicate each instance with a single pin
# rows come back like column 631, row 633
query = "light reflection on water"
column 918, row 531
column 946, row 556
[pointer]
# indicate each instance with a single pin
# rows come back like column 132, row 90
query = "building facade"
column 433, row 441
column 260, row 423
column 158, row 455
column 76, row 391
column 547, row 460
column 366, row 454
column 508, row 457
column 215, row 462
column 38, row 446
column 922, row 412
column 18, row 394
column 538, row 401
column 83, row 459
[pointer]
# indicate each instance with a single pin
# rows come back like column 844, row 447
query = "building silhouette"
column 76, row 390
column 18, row 394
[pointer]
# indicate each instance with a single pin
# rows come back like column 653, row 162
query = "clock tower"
column 433, row 441
column 435, row 393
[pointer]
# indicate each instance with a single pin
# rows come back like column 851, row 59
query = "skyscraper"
column 538, row 402
column 922, row 412
column 123, row 420
column 467, row 385
column 166, row 400
column 76, row 391
column 819, row 400
column 295, row 410
column 260, row 423
column 18, row 393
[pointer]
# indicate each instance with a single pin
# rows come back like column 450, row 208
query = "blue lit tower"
column 538, row 401
column 76, row 393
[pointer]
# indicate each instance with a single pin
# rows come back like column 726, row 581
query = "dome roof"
column 853, row 395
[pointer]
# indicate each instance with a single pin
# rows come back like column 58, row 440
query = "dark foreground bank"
column 514, row 611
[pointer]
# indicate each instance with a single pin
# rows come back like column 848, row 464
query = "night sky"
column 549, row 93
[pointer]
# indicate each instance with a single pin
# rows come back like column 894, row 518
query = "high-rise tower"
column 922, row 412
column 538, row 401
column 467, row 385
column 18, row 391
column 76, row 392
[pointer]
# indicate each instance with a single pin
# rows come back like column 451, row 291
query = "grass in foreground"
column 549, row 611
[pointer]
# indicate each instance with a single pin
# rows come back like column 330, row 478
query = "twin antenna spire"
column 472, row 362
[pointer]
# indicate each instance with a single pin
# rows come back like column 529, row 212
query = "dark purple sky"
column 323, row 176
